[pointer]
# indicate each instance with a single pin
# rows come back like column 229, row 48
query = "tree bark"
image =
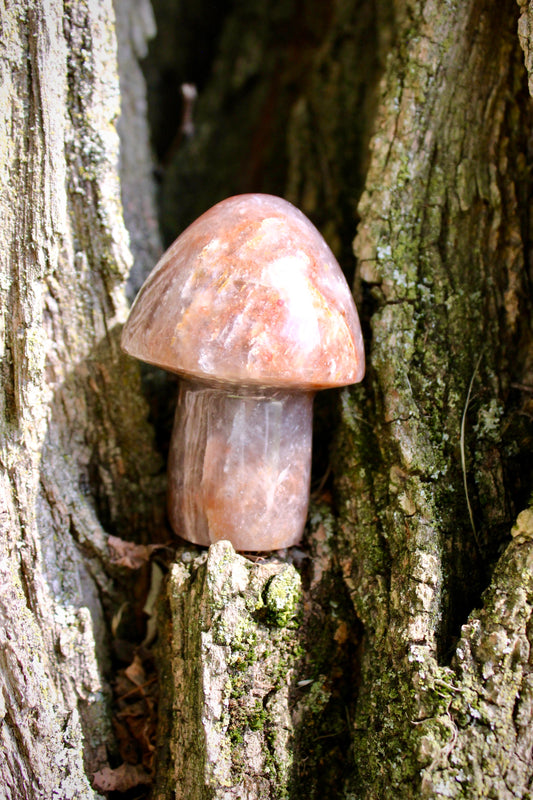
column 232, row 647
column 78, row 461
column 442, row 244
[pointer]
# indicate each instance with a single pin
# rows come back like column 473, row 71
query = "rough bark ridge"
column 257, row 684
column 441, row 248
column 525, row 33
column 135, row 25
column 75, row 447
column 234, row 622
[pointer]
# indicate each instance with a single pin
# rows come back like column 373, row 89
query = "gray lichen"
column 239, row 619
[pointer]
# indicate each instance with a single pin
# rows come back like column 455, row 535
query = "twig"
column 463, row 453
column 136, row 689
column 524, row 387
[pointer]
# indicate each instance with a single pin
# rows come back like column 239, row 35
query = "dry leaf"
column 125, row 777
column 130, row 555
column 135, row 671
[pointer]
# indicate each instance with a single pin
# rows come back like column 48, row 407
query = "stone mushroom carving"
column 251, row 309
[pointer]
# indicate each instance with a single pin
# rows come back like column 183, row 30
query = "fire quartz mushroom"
column 250, row 307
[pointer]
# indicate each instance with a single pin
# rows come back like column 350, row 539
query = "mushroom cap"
column 249, row 293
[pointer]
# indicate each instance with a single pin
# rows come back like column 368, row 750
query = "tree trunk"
column 445, row 702
column 78, row 461
column 389, row 655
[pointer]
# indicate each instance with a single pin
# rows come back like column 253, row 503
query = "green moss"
column 252, row 619
column 257, row 718
column 282, row 596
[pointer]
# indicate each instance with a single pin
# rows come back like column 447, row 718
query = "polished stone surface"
column 239, row 466
column 251, row 307
column 249, row 293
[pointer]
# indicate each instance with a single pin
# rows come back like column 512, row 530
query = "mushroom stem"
column 240, row 464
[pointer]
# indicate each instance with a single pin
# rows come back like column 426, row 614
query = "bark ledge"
column 233, row 644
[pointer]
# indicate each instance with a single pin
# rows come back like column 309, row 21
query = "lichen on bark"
column 232, row 650
column 69, row 403
column 440, row 250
